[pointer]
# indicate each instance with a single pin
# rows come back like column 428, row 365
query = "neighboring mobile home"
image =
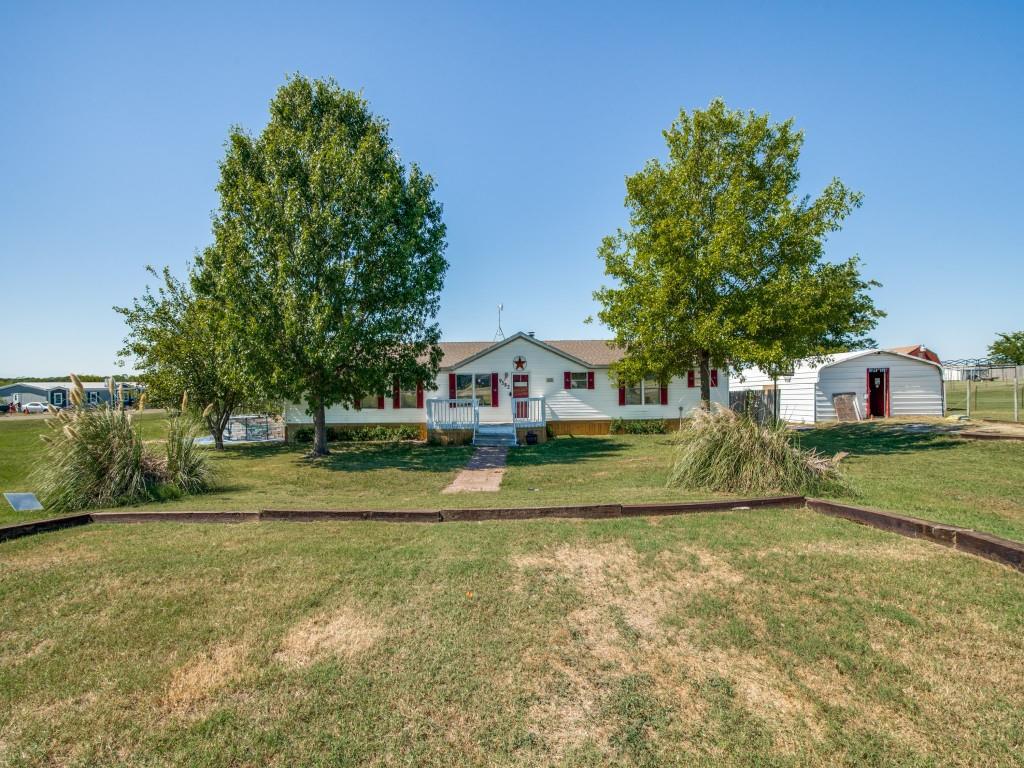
column 57, row 393
column 523, row 384
column 869, row 384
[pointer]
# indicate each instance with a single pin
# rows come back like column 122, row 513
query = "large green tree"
column 330, row 253
column 175, row 338
column 1008, row 348
column 723, row 262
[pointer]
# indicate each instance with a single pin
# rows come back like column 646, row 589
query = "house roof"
column 917, row 350
column 48, row 385
column 593, row 353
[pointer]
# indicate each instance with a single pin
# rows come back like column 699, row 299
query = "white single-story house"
column 58, row 393
column 870, row 383
column 522, row 384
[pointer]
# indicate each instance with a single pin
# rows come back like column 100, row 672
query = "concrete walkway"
column 483, row 472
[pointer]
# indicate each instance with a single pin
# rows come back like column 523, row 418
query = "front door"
column 521, row 388
column 878, row 392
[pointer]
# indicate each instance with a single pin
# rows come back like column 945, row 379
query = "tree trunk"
column 705, row 380
column 217, row 422
column 214, row 424
column 320, row 429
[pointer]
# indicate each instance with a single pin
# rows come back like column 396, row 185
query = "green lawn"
column 769, row 637
column 932, row 475
column 765, row 637
column 989, row 399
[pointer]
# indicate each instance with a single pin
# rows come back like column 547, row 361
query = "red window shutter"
column 690, row 379
column 590, row 379
column 380, row 402
column 567, row 379
column 664, row 394
column 451, row 386
column 396, row 396
column 622, row 395
column 714, row 377
column 419, row 394
column 494, row 390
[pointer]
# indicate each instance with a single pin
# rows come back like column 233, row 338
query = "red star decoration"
column 519, row 363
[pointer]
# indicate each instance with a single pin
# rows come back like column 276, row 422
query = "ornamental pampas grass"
column 96, row 458
column 723, row 451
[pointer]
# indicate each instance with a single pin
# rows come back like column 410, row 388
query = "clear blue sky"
column 529, row 117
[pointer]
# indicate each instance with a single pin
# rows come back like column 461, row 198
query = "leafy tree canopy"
column 723, row 261
column 1008, row 348
column 330, row 253
column 175, row 335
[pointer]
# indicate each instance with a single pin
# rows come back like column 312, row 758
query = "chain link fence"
column 980, row 388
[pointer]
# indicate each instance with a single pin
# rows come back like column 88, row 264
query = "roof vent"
column 530, row 334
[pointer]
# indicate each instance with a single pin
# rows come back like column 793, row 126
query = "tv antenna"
column 499, row 335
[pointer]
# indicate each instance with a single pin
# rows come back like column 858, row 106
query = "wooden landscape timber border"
column 1001, row 550
column 972, row 435
column 994, row 548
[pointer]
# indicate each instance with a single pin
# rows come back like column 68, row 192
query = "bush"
column 732, row 453
column 638, row 427
column 96, row 458
column 367, row 434
column 187, row 467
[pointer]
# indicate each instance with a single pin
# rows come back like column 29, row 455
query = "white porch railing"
column 460, row 413
column 528, row 412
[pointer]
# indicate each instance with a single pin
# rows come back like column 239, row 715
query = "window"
column 404, row 397
column 370, row 401
column 578, row 380
column 647, row 392
column 693, row 378
column 408, row 399
column 652, row 392
column 483, row 389
column 58, row 398
column 94, row 398
column 478, row 385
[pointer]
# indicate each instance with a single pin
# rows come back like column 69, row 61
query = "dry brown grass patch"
column 195, row 683
column 342, row 632
column 617, row 586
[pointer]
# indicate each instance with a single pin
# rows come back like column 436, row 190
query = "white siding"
column 546, row 370
column 806, row 396
column 796, row 392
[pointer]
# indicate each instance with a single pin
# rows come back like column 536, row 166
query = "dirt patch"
column 195, row 684
column 343, row 632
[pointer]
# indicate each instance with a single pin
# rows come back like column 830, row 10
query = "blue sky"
column 529, row 117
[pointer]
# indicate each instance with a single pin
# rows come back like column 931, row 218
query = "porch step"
column 495, row 435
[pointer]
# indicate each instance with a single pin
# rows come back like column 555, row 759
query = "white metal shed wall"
column 915, row 386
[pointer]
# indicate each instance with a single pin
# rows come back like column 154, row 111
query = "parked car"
column 35, row 407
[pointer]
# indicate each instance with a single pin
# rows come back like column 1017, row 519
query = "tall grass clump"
column 723, row 451
column 187, row 467
column 95, row 457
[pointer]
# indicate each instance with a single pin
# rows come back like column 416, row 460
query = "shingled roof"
column 598, row 353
